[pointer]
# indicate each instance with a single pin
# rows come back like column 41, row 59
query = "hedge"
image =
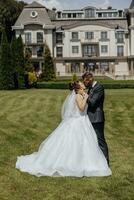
column 107, row 85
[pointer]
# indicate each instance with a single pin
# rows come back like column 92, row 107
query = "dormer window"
column 34, row 14
column 89, row 13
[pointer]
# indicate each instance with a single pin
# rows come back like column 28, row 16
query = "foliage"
column 17, row 54
column 53, row 85
column 32, row 78
column 9, row 12
column 29, row 70
column 48, row 72
column 14, row 60
column 28, row 64
column 6, row 70
column 65, row 85
column 74, row 77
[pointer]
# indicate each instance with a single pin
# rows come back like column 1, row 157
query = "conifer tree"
column 20, row 61
column 14, row 61
column 28, row 67
column 48, row 67
column 6, row 71
column 17, row 54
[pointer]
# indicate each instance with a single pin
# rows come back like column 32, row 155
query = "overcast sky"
column 76, row 4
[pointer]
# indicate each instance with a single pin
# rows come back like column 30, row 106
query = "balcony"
column 31, row 41
column 34, row 43
column 35, row 52
column 90, row 50
column 59, row 41
column 39, row 41
column 89, row 41
column 74, row 40
column 120, row 40
column 90, row 54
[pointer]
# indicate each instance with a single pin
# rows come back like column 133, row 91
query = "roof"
column 109, row 23
column 41, row 18
column 132, row 5
column 46, row 17
column 34, row 4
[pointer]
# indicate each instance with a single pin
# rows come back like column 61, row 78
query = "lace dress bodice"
column 78, row 110
column 70, row 108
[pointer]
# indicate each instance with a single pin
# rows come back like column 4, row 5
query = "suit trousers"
column 99, row 129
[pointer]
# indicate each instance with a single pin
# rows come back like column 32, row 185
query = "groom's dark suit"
column 96, row 115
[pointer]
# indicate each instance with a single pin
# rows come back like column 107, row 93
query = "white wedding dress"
column 70, row 150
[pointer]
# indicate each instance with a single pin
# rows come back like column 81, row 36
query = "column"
column 81, row 67
column 132, row 68
column 68, row 67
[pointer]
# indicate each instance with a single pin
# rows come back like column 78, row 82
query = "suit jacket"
column 95, row 103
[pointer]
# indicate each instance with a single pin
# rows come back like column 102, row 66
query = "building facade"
column 89, row 39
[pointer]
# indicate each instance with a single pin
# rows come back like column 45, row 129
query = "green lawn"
column 27, row 117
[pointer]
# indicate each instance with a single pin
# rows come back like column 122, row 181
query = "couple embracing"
column 77, row 147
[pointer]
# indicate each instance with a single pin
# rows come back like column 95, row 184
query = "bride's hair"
column 75, row 86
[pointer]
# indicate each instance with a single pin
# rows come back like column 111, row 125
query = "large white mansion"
column 89, row 39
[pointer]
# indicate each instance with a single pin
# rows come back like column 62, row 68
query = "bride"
column 72, row 148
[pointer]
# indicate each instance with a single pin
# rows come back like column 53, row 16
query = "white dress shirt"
column 94, row 83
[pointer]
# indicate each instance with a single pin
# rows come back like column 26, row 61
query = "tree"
column 20, row 67
column 9, row 12
column 28, row 64
column 17, row 60
column 48, row 72
column 14, row 61
column 74, row 77
column 6, row 71
column 28, row 67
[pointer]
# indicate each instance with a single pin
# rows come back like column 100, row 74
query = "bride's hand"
column 85, row 95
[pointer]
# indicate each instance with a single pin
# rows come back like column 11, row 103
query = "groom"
column 95, row 110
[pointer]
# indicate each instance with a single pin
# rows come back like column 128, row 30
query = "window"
column 39, row 51
column 59, row 14
column 59, row 51
column 89, row 35
column 75, row 49
column 89, row 13
column 104, row 35
column 79, row 15
column 34, row 14
column 120, row 13
column 109, row 14
column 59, row 38
column 99, row 14
column 114, row 14
column 39, row 37
column 104, row 67
column 74, row 35
column 89, row 67
column 28, row 37
column 120, row 37
column 90, row 50
column 120, row 50
column 104, row 14
column 74, row 15
column 69, row 15
column 64, row 15
column 75, row 67
column 104, row 49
